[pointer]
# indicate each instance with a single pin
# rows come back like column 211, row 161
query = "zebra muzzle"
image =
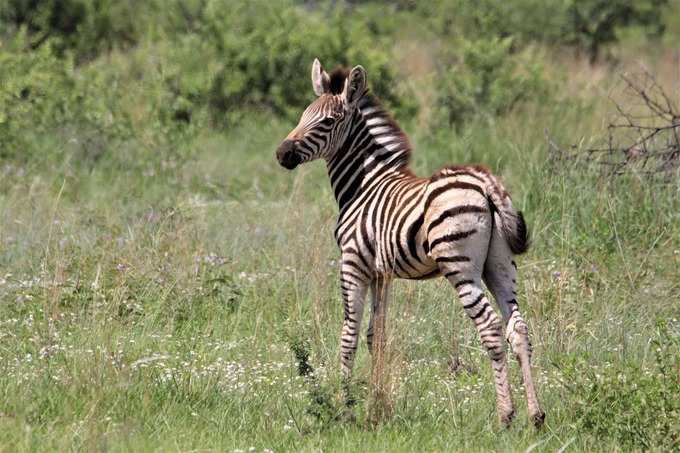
column 287, row 155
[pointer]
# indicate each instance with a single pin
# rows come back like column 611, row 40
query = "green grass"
column 149, row 299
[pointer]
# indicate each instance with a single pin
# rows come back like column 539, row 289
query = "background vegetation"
column 165, row 285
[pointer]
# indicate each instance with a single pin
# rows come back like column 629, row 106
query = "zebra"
column 459, row 223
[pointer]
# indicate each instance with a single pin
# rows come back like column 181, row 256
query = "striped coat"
column 459, row 223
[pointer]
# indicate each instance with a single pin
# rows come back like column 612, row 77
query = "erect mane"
column 338, row 77
column 385, row 129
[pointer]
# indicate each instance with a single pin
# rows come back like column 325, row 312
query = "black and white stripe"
column 459, row 223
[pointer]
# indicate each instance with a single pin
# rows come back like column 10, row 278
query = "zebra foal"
column 459, row 223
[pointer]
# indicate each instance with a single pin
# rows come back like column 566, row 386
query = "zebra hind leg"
column 500, row 276
column 467, row 283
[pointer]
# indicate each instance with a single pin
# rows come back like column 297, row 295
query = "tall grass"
column 162, row 294
column 155, row 312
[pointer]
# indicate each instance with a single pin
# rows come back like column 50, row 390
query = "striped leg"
column 500, row 276
column 489, row 326
column 517, row 334
column 353, row 294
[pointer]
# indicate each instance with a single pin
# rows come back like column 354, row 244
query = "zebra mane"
column 381, row 125
column 385, row 129
column 337, row 79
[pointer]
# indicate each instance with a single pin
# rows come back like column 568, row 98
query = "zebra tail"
column 512, row 223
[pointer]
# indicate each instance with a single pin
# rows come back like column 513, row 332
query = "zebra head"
column 324, row 125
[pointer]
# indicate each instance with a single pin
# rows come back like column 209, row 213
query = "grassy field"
column 152, row 300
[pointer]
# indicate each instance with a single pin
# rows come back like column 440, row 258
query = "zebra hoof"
column 538, row 419
column 347, row 416
column 507, row 418
column 456, row 367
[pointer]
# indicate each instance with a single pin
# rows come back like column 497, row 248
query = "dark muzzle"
column 287, row 155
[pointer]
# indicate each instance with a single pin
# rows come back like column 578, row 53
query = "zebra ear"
column 320, row 80
column 355, row 85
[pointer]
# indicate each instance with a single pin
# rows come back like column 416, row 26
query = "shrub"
column 587, row 25
column 594, row 23
column 218, row 56
column 27, row 81
column 44, row 100
column 84, row 27
column 490, row 18
column 247, row 55
column 486, row 79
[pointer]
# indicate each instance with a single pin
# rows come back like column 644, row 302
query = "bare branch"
column 643, row 136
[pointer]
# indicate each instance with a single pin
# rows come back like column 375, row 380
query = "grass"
column 154, row 306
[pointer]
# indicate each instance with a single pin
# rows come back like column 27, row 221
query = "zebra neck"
column 375, row 148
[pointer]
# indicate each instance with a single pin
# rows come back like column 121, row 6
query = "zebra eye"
column 328, row 121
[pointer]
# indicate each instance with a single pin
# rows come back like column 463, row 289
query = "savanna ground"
column 163, row 281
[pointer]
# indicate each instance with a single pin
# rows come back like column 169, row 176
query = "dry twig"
column 643, row 136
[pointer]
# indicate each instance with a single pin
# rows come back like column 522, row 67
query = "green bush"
column 83, row 27
column 490, row 18
column 258, row 55
column 44, row 100
column 637, row 406
column 220, row 57
column 486, row 79
column 587, row 25
column 220, row 61
column 594, row 23
column 27, row 81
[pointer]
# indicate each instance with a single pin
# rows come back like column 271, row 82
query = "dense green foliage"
column 165, row 285
column 44, row 99
column 222, row 57
column 256, row 52
column 587, row 25
column 488, row 81
column 86, row 27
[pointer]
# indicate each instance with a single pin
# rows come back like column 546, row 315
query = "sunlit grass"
column 150, row 296
column 157, row 313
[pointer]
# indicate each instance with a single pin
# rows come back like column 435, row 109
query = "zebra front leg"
column 353, row 294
